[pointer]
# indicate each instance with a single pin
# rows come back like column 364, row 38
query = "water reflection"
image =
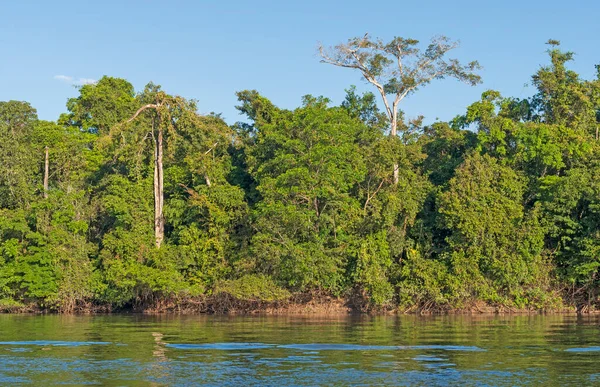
column 159, row 370
column 259, row 350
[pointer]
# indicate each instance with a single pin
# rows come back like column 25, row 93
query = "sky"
column 208, row 50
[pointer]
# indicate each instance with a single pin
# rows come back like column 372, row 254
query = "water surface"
column 137, row 350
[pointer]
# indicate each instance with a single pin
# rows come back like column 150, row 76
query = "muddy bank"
column 298, row 304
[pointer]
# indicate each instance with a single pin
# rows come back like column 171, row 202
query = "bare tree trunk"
column 159, row 220
column 393, row 134
column 396, row 174
column 156, row 194
column 46, row 170
column 161, row 194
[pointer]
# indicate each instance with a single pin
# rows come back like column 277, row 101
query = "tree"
column 364, row 107
column 563, row 98
column 306, row 163
column 571, row 205
column 165, row 117
column 68, row 159
column 494, row 245
column 100, row 106
column 18, row 164
column 168, row 113
column 446, row 148
column 399, row 68
column 204, row 212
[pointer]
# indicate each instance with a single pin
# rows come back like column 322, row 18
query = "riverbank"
column 310, row 304
column 297, row 304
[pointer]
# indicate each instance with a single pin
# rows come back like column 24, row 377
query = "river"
column 140, row 350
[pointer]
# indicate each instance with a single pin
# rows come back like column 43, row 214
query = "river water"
column 138, row 350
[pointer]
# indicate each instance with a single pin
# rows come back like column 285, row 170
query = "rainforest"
column 133, row 200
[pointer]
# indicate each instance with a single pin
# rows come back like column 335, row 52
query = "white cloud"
column 64, row 78
column 75, row 82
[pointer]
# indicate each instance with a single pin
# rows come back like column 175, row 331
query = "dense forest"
column 134, row 200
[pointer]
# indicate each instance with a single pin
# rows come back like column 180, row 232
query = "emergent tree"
column 398, row 68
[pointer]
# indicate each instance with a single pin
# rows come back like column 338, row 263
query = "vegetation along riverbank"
column 132, row 200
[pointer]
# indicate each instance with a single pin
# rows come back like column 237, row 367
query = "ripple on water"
column 46, row 343
column 315, row 347
column 464, row 348
column 338, row 347
column 428, row 358
column 583, row 349
column 222, row 346
column 19, row 349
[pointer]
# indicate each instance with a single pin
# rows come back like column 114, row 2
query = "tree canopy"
column 133, row 199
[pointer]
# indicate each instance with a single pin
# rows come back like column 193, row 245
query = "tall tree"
column 165, row 116
column 160, row 120
column 399, row 68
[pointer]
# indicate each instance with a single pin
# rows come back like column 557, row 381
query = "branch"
column 369, row 197
column 149, row 106
column 423, row 81
column 371, row 79
column 400, row 69
column 190, row 191
column 440, row 53
column 334, row 62
column 213, row 147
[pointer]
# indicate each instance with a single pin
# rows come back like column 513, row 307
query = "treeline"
column 144, row 201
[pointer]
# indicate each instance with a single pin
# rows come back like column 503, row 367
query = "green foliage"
column 364, row 108
column 305, row 163
column 572, row 205
column 253, row 287
column 563, row 98
column 100, row 106
column 18, row 160
column 494, row 245
column 10, row 305
column 424, row 282
column 499, row 206
column 374, row 263
column 445, row 148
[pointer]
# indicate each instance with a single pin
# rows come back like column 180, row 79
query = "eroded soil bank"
column 299, row 304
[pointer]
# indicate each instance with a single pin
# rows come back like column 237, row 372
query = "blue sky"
column 207, row 50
